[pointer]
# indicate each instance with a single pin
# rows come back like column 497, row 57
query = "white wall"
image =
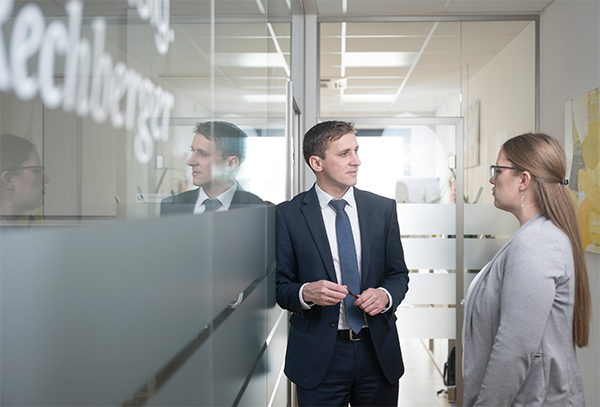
column 505, row 87
column 569, row 67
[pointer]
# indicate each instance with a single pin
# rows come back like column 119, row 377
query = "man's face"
column 338, row 171
column 207, row 161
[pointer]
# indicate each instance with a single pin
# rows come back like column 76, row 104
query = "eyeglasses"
column 34, row 168
column 494, row 173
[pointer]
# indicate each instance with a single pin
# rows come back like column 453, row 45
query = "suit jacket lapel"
column 485, row 271
column 239, row 198
column 192, row 197
column 314, row 219
column 364, row 221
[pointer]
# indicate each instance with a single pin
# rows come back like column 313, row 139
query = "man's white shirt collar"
column 324, row 197
column 225, row 198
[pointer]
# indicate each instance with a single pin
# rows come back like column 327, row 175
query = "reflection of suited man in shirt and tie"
column 341, row 272
column 218, row 150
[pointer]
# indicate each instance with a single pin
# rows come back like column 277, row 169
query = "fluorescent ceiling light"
column 416, row 59
column 378, row 59
column 261, row 8
column 264, row 98
column 278, row 48
column 343, row 50
column 367, row 98
column 251, row 60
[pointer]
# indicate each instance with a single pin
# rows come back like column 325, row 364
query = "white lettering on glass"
column 55, row 42
column 93, row 85
column 25, row 41
column 78, row 63
column 5, row 12
column 159, row 14
column 103, row 66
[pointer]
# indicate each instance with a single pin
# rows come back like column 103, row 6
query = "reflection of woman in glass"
column 530, row 306
column 22, row 178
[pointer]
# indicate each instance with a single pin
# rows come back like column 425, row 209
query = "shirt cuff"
column 306, row 306
column 389, row 300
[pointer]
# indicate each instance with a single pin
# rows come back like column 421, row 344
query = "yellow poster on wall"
column 582, row 144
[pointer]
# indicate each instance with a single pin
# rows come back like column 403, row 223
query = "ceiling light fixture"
column 446, row 6
column 261, row 7
column 416, row 60
column 250, row 60
column 270, row 98
column 343, row 56
column 367, row 98
column 379, row 59
column 278, row 48
column 343, row 51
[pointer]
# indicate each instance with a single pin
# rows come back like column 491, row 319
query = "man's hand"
column 324, row 292
column 372, row 301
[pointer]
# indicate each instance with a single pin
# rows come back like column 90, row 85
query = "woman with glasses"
column 529, row 307
column 22, row 178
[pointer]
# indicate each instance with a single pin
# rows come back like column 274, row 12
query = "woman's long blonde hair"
column 544, row 158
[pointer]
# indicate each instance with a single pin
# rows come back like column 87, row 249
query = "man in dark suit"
column 343, row 344
column 218, row 150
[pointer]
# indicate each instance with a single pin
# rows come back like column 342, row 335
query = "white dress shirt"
column 329, row 215
column 225, row 198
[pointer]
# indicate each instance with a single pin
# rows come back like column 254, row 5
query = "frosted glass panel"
column 233, row 261
column 431, row 288
column 426, row 322
column 479, row 251
column 236, row 345
column 98, row 311
column 430, row 253
column 427, row 219
column 99, row 308
column 489, row 220
column 275, row 356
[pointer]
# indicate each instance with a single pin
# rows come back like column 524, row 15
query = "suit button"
column 332, row 324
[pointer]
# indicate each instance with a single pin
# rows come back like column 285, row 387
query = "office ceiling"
column 390, row 69
column 320, row 7
column 423, row 7
column 376, row 68
column 367, row 68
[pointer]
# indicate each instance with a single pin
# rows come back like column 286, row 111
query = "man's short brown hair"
column 230, row 139
column 318, row 138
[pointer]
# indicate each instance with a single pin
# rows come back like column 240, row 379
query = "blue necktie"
column 211, row 205
column 348, row 263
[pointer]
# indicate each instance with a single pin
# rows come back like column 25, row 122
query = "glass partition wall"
column 433, row 100
column 139, row 301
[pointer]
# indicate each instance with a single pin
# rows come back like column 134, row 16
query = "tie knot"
column 338, row 204
column 211, row 204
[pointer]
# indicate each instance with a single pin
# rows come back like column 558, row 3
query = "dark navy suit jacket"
column 304, row 255
column 186, row 201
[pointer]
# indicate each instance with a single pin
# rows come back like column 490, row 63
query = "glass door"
column 418, row 162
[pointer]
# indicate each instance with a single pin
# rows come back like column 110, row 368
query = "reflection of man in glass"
column 22, row 179
column 218, row 150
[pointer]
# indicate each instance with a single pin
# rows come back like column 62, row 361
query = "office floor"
column 421, row 380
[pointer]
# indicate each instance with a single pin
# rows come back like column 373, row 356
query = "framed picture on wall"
column 472, row 136
column 582, row 147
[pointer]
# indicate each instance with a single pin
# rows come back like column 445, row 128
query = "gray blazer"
column 518, row 330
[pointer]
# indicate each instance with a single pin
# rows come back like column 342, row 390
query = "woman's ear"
column 7, row 180
column 525, row 180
